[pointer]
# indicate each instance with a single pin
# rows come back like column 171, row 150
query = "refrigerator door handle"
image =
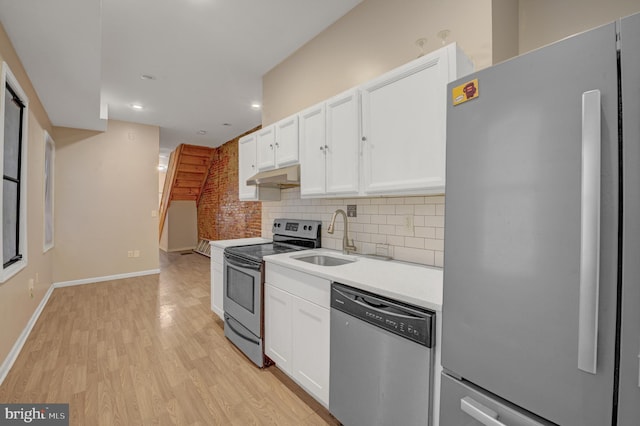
column 589, row 233
column 484, row 415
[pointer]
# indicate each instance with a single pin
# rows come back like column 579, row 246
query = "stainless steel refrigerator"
column 541, row 307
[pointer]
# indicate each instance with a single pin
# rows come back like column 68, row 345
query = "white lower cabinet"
column 277, row 324
column 297, row 327
column 217, row 284
column 311, row 347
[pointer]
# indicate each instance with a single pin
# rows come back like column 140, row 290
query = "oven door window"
column 241, row 288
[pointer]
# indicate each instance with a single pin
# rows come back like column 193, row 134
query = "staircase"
column 186, row 175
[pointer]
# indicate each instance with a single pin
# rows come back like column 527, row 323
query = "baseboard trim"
column 17, row 347
column 105, row 278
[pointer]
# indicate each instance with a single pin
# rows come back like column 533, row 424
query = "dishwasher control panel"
column 410, row 322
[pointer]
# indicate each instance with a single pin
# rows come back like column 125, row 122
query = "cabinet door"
column 311, row 347
column 312, row 151
column 277, row 326
column 404, row 121
column 286, row 141
column 265, row 140
column 246, row 166
column 343, row 141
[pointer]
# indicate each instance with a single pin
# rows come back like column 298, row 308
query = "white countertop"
column 407, row 282
column 239, row 242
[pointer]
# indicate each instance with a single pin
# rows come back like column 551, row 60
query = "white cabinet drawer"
column 314, row 289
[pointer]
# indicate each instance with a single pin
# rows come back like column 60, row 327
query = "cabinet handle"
column 321, row 148
column 271, row 145
column 589, row 233
column 277, row 144
column 364, row 139
column 483, row 414
column 253, row 166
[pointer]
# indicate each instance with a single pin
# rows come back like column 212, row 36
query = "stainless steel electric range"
column 244, row 283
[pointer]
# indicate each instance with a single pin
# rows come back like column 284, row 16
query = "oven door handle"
column 239, row 264
column 228, row 323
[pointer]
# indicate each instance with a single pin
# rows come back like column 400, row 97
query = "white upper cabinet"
column 277, row 144
column 404, row 125
column 329, row 140
column 247, row 156
column 343, row 133
column 247, row 166
column 312, row 151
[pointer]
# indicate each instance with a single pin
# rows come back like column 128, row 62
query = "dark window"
column 11, row 178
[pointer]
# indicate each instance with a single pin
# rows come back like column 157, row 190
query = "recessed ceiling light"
column 137, row 107
column 202, row 132
column 161, row 167
column 255, row 105
column 148, row 77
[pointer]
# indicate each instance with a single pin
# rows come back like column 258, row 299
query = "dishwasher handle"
column 384, row 308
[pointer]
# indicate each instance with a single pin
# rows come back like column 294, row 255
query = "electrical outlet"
column 154, row 213
column 136, row 253
column 130, row 253
column 31, row 288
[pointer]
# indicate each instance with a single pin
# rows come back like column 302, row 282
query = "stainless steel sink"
column 324, row 260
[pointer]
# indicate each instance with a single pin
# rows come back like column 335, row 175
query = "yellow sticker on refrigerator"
column 465, row 92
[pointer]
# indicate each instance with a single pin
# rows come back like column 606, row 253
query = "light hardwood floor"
column 147, row 351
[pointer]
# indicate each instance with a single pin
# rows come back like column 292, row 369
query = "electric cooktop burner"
column 288, row 235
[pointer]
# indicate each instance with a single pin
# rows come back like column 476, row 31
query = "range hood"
column 286, row 177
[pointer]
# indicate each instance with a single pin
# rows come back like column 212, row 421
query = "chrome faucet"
column 346, row 246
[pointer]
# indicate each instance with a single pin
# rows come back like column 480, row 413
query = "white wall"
column 374, row 37
column 16, row 304
column 545, row 21
column 106, row 191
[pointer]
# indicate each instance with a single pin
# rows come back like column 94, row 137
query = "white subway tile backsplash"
column 387, row 229
column 439, row 259
column 372, row 229
column 436, row 245
column 435, row 221
column 379, row 238
column 387, row 209
column 425, row 232
column 395, row 240
column 425, row 210
column 414, row 242
column 439, row 199
column 380, row 220
column 369, row 209
column 395, row 220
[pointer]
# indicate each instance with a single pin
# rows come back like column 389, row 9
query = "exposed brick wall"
column 221, row 215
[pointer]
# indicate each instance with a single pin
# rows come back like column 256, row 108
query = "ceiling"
column 204, row 59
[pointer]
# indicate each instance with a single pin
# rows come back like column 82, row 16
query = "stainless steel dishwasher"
column 381, row 360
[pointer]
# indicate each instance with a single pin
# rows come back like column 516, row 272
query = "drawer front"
column 464, row 405
column 309, row 287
